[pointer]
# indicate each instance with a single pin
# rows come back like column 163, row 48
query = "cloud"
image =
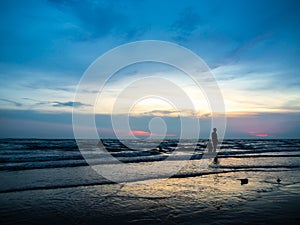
column 293, row 104
column 275, row 125
column 29, row 123
column 47, row 45
column 187, row 22
column 28, row 30
column 257, row 134
column 141, row 133
column 11, row 102
column 236, row 54
column 69, row 104
column 171, row 113
column 23, row 128
column 95, row 19
column 37, row 104
column 52, row 85
column 161, row 113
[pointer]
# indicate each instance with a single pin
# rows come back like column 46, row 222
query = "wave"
column 103, row 181
column 49, row 187
column 42, row 157
column 16, row 159
column 13, row 166
column 24, row 154
column 42, row 165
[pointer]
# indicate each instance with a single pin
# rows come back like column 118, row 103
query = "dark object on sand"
column 278, row 180
column 244, row 181
column 160, row 149
column 216, row 160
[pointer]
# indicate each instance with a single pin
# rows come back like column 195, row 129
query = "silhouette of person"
column 214, row 138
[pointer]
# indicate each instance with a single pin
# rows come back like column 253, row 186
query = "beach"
column 150, row 112
column 73, row 194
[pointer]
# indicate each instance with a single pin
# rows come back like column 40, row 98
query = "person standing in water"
column 214, row 138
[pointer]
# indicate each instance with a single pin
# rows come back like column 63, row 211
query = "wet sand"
column 207, row 199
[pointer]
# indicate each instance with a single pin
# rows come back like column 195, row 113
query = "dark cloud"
column 37, row 102
column 276, row 125
column 69, row 104
column 292, row 105
column 171, row 113
column 56, row 103
column 160, row 112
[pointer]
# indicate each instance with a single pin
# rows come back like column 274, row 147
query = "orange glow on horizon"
column 141, row 133
column 261, row 135
column 257, row 134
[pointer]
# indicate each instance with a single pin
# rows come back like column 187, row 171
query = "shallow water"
column 32, row 192
column 208, row 199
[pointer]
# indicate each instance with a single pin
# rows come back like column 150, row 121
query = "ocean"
column 48, row 181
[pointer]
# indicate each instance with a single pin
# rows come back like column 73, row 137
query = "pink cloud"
column 261, row 135
column 258, row 134
column 137, row 133
column 141, row 133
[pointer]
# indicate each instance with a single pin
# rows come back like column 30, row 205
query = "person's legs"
column 215, row 144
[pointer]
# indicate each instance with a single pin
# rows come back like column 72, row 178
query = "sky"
column 251, row 47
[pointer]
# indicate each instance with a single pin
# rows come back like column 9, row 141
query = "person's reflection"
column 209, row 146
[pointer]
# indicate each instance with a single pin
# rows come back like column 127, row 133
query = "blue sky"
column 252, row 47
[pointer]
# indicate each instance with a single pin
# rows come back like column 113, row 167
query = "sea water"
column 45, row 181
